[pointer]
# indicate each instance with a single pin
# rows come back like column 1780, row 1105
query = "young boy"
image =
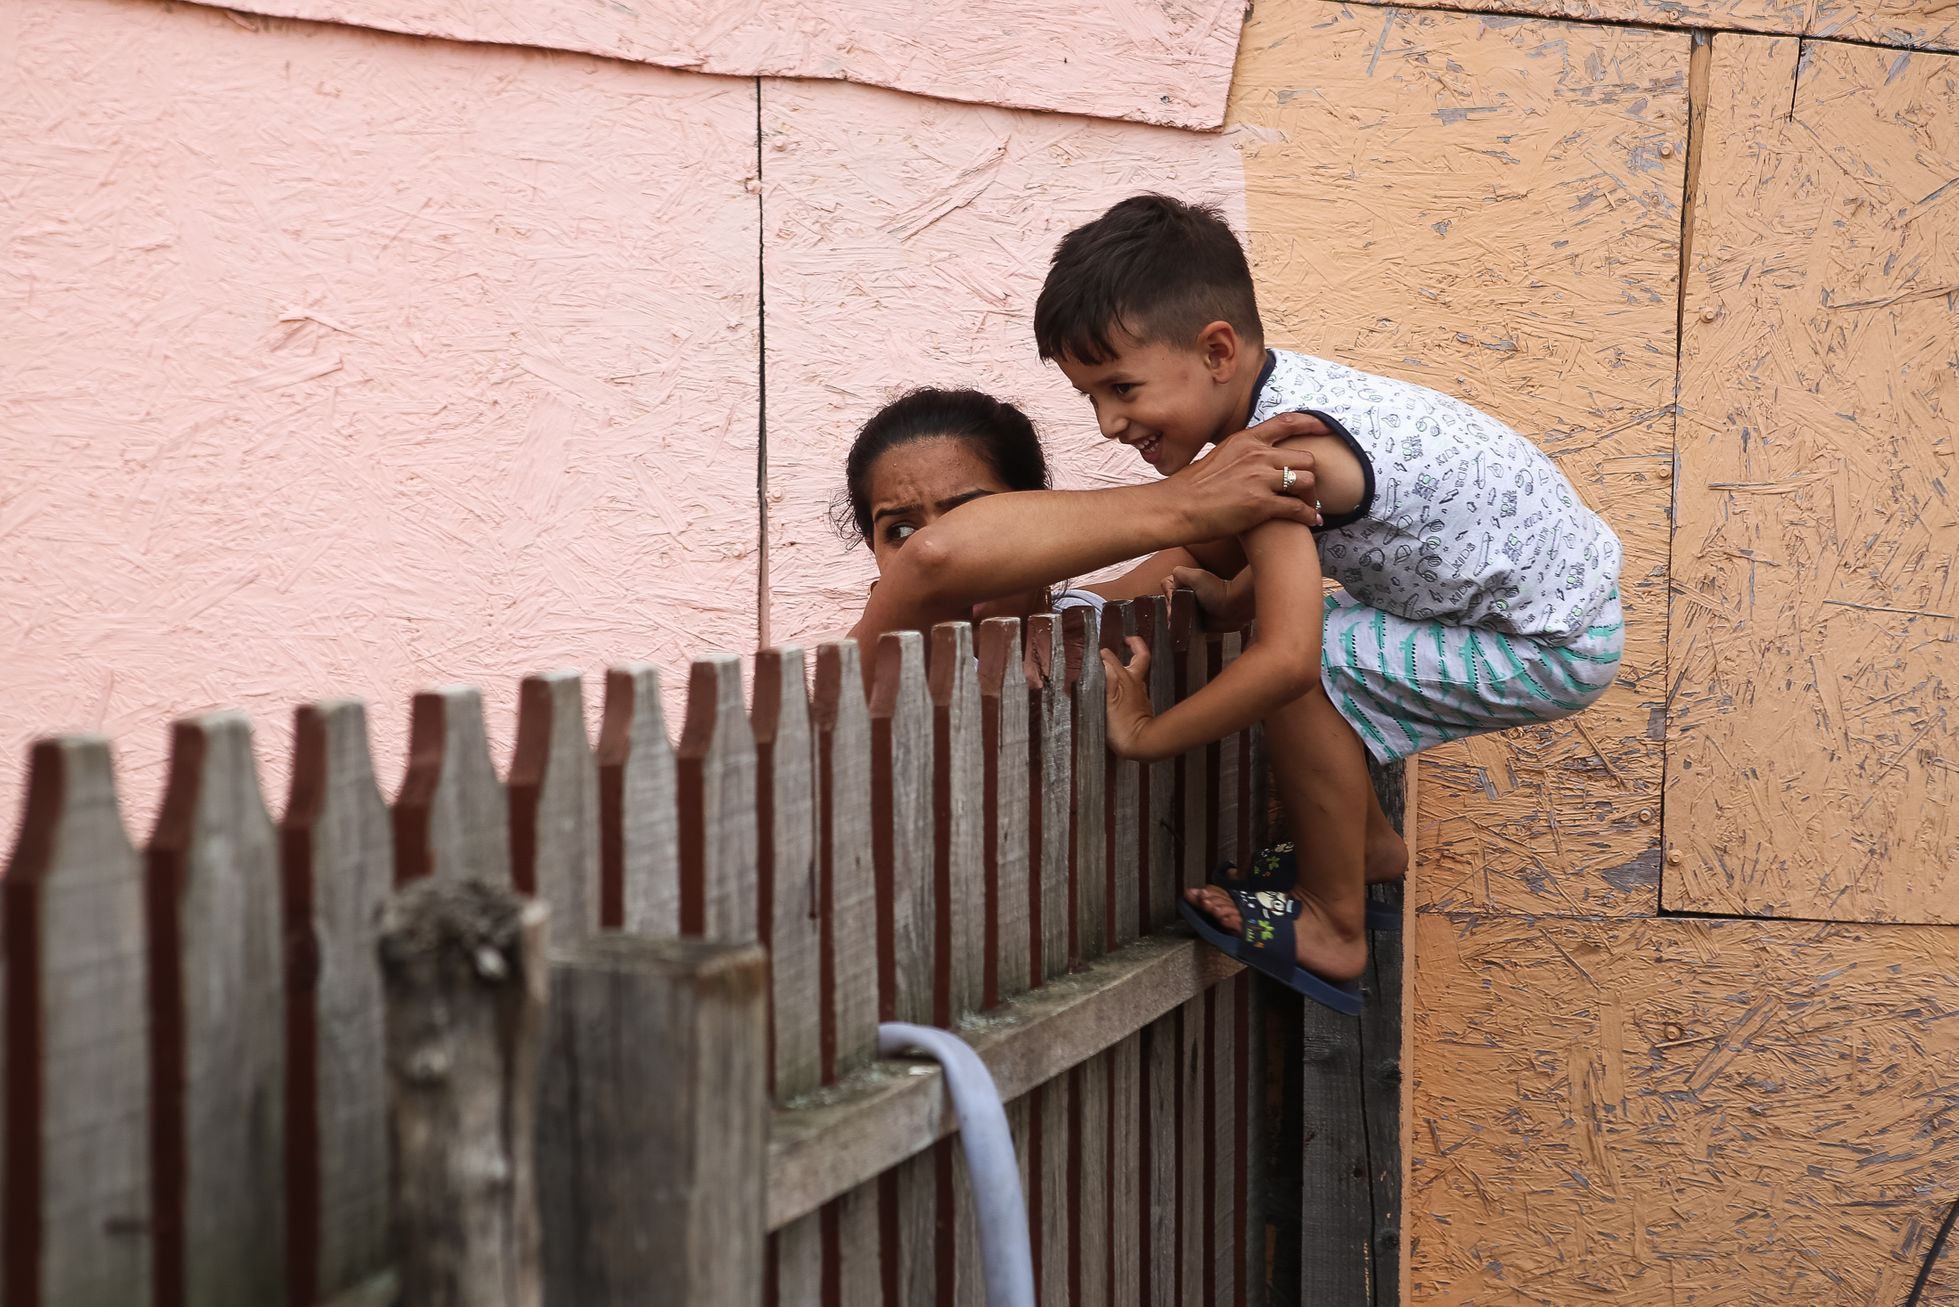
column 1478, row 591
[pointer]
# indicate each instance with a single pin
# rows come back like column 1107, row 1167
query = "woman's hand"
column 1224, row 605
column 1241, row 483
column 1128, row 700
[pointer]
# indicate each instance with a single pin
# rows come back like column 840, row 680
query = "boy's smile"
column 1167, row 402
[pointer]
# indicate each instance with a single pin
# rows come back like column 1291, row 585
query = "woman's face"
column 914, row 484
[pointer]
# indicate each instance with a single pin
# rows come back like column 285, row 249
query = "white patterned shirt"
column 1462, row 520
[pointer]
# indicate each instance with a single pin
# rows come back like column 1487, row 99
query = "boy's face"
column 1167, row 401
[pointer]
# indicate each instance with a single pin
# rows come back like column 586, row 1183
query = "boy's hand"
column 1224, row 605
column 1129, row 702
column 1240, row 484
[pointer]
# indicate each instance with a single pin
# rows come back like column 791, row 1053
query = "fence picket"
column 1051, row 742
column 73, row 977
column 716, row 772
column 1088, row 1179
column 958, row 811
column 1194, row 767
column 452, row 817
column 1224, row 766
column 848, row 881
column 1129, row 1174
column 1122, row 844
column 1223, row 1229
column 786, row 892
column 218, row 1020
column 639, row 832
column 1054, row 1229
column 1192, row 1129
column 554, row 804
column 901, row 835
column 1087, row 866
column 337, row 864
column 1004, row 750
column 1160, row 819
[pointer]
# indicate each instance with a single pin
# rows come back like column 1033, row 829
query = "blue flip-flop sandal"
column 1277, row 868
column 1266, row 942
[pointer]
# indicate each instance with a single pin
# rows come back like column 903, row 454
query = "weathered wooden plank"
column 1129, row 1197
column 1161, row 820
column 1087, row 864
column 1122, row 805
column 1807, row 770
column 639, row 823
column 1051, row 742
column 901, row 828
column 1054, row 1231
column 958, row 812
column 1194, row 766
column 1161, row 1130
column 968, row 1280
column 554, row 804
column 796, row 1264
column 1224, row 1257
column 73, row 1062
column 682, row 1023
column 847, row 879
column 452, row 816
column 859, row 1258
column 1225, row 765
column 337, row 863
column 465, row 973
column 832, row 1142
column 218, row 1065
column 1004, row 762
column 715, row 767
column 1090, row 1248
column 1192, row 1126
column 908, row 1200
column 1663, row 1088
column 787, row 900
column 1255, row 1245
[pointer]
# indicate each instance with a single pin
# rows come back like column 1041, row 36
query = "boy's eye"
column 1122, row 388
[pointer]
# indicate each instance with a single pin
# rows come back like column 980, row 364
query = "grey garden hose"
column 1006, row 1258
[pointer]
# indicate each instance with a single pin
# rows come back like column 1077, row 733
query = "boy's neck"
column 1244, row 392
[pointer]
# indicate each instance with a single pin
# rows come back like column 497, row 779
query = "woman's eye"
column 898, row 532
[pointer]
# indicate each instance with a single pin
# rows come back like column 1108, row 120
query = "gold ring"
column 1286, row 478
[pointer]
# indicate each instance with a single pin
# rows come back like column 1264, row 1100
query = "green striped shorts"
column 1405, row 686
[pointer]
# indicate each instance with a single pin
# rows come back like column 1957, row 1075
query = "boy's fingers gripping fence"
column 1006, row 1257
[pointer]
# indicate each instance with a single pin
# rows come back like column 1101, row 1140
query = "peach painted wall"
column 345, row 362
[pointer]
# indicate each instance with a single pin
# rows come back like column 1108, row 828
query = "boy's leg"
column 1319, row 769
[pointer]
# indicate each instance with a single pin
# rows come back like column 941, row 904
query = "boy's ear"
column 1222, row 349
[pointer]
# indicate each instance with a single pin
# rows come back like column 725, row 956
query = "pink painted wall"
column 342, row 362
column 1168, row 61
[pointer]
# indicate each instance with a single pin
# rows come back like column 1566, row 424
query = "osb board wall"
column 1166, row 62
column 1675, row 1111
column 1920, row 24
column 338, row 361
column 1812, row 744
column 905, row 243
column 1492, row 208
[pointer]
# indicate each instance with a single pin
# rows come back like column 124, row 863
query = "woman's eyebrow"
column 965, row 497
column 893, row 510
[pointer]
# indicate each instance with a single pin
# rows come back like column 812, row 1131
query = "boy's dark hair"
column 1152, row 267
column 1002, row 433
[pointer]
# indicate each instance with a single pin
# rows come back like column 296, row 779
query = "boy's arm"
column 1282, row 665
column 1004, row 544
column 1147, row 577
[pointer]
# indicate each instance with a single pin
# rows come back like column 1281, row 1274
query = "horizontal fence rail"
column 200, row 1052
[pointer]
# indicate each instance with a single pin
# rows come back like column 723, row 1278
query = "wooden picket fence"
column 195, row 1060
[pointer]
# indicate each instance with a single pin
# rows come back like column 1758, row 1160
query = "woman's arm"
column 1282, row 665
column 1005, row 544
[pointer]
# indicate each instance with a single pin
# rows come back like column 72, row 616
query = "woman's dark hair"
column 1152, row 267
column 1002, row 432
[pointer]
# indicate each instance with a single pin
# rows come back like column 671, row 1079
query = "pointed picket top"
column 337, row 865
column 639, row 823
column 1004, row 830
column 716, row 769
column 219, row 1064
column 846, row 877
column 452, row 818
column 1124, row 819
column 959, row 886
column 74, row 990
column 787, row 891
column 554, row 804
column 1088, row 863
column 1051, row 827
column 901, row 828
column 1162, row 821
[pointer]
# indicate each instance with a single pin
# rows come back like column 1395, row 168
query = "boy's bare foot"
column 1329, row 949
column 1387, row 855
